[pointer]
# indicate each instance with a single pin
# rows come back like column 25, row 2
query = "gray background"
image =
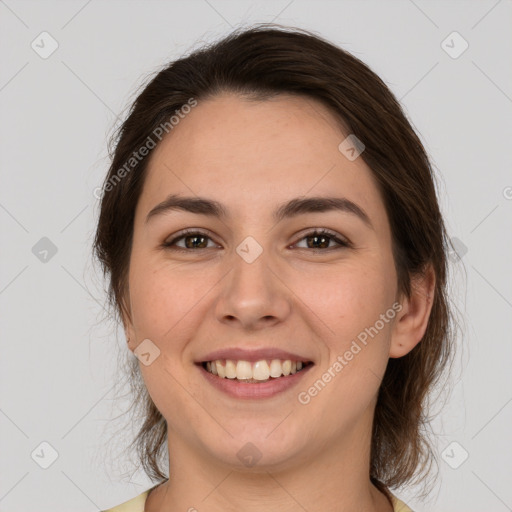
column 58, row 354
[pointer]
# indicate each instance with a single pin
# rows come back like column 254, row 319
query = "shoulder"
column 398, row 505
column 134, row 505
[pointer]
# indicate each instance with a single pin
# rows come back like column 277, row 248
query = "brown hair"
column 260, row 62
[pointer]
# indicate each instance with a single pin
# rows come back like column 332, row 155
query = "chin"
column 257, row 451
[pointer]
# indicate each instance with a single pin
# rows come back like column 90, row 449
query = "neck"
column 332, row 477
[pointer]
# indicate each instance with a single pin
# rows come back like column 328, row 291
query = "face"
column 251, row 280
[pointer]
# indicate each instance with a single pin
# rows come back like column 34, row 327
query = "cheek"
column 162, row 298
column 162, row 295
column 350, row 304
column 351, row 297
column 357, row 342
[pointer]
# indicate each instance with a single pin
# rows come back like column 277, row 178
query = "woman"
column 276, row 253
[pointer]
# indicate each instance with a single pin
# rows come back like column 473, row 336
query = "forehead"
column 248, row 154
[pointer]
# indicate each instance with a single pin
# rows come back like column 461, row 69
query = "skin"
column 314, row 303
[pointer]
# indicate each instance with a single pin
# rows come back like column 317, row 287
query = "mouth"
column 257, row 372
column 256, row 380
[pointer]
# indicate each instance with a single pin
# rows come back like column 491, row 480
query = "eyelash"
column 317, row 232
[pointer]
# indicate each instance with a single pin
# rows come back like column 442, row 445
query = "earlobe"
column 411, row 323
column 130, row 338
column 128, row 332
column 130, row 335
column 128, row 325
column 130, row 341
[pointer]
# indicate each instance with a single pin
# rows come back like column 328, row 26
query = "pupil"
column 321, row 237
column 195, row 237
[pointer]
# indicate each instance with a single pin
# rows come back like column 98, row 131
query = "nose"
column 253, row 296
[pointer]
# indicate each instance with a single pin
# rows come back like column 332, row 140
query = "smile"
column 256, row 380
column 255, row 372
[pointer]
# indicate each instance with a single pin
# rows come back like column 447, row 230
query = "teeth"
column 230, row 369
column 258, row 371
column 243, row 370
column 276, row 369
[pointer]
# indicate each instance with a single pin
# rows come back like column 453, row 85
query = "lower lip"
column 246, row 390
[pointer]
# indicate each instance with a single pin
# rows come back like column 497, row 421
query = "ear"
column 411, row 322
column 126, row 317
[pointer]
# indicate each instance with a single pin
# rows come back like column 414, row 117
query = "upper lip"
column 259, row 354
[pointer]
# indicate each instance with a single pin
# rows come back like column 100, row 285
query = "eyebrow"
column 292, row 208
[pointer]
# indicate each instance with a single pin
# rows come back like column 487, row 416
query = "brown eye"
column 192, row 240
column 316, row 240
column 320, row 239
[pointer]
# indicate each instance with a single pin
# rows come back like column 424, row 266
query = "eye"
column 194, row 239
column 322, row 239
